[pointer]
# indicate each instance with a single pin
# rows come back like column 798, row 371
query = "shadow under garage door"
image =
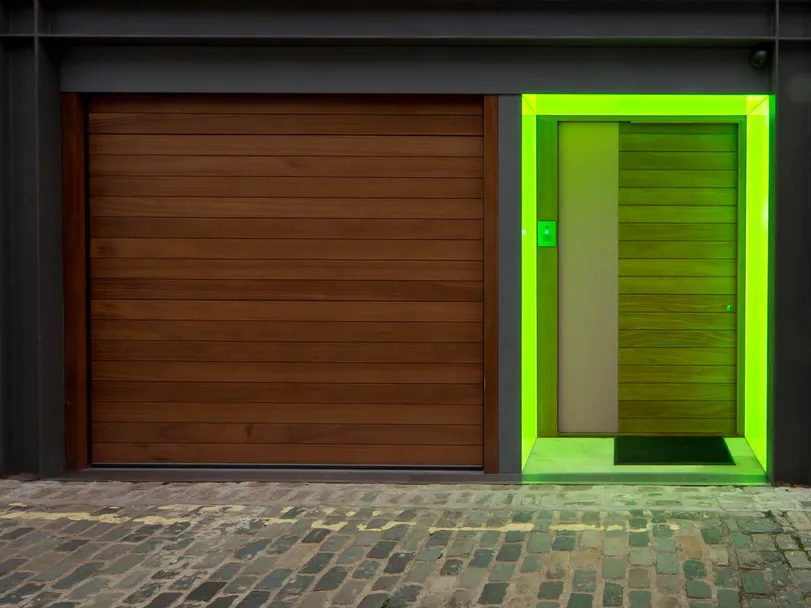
column 286, row 280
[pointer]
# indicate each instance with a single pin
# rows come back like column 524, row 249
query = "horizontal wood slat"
column 289, row 434
column 678, row 142
column 305, row 187
column 290, row 124
column 677, row 178
column 680, row 128
column 307, row 271
column 684, row 338
column 677, row 409
column 677, row 356
column 288, row 352
column 678, row 285
column 301, row 331
column 275, row 454
column 339, row 414
column 724, row 427
column 677, row 250
column 682, row 374
column 382, row 208
column 363, row 270
column 287, row 145
column 678, row 214
column 236, row 289
column 678, row 232
column 678, row 196
column 169, row 310
column 679, row 320
column 674, row 303
column 712, row 161
column 380, row 395
column 677, row 268
column 287, row 229
column 287, row 104
column 677, row 392
column 284, row 166
column 372, row 373
column 105, row 250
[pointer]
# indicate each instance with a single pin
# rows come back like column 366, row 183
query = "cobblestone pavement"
column 253, row 545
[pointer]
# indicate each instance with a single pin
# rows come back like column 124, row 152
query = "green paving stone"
column 638, row 539
column 790, row 599
column 472, row 577
column 514, row 536
column 613, row 568
column 694, row 569
column 493, row 593
column 639, row 578
column 591, row 517
column 761, row 603
column 727, row 598
column 367, row 569
column 638, row 523
column 419, row 573
column 613, row 547
column 547, row 605
column 772, row 556
column 429, row 555
column 712, row 536
column 522, row 517
column 667, row 563
column 451, row 567
column 563, row 543
column 741, row 540
column 725, row 577
column 664, row 545
column 698, row 590
column 781, row 577
column 502, row 573
column 532, row 563
column 584, row 580
column 482, row 558
column 612, row 595
column 489, row 539
column 509, row 553
column 639, row 599
column 539, row 542
column 669, row 583
column 662, row 531
column 580, row 600
column 755, row 582
column 542, row 525
column 550, row 590
column 641, row 557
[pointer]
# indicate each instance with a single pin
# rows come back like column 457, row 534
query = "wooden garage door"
column 281, row 280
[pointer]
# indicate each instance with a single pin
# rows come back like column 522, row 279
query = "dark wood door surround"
column 277, row 280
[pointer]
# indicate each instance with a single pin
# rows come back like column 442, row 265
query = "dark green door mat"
column 633, row 449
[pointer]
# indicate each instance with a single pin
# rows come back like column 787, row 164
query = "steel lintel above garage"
column 445, row 22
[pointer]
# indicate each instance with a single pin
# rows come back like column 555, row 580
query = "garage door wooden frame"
column 75, row 263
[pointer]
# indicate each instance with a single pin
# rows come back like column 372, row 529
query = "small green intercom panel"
column 547, row 234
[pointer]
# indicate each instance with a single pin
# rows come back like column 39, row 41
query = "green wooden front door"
column 678, row 284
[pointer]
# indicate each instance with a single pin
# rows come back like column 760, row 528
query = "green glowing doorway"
column 546, row 455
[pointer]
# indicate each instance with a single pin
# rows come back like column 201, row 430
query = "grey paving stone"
column 613, row 568
column 638, row 578
column 667, row 563
column 374, row 600
column 550, row 590
column 728, row 598
column 367, row 569
column 398, row 562
column 509, row 553
column 584, row 581
column 502, row 572
column 755, row 582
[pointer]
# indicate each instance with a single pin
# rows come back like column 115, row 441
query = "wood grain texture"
column 294, row 280
column 276, row 454
column 286, row 229
column 237, row 289
column 287, row 145
column 294, row 269
column 286, row 104
column 340, row 414
column 74, row 259
column 285, row 166
column 310, row 433
column 288, row 352
column 678, row 278
column 398, row 250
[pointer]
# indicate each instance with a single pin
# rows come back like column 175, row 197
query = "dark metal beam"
column 791, row 263
column 549, row 22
